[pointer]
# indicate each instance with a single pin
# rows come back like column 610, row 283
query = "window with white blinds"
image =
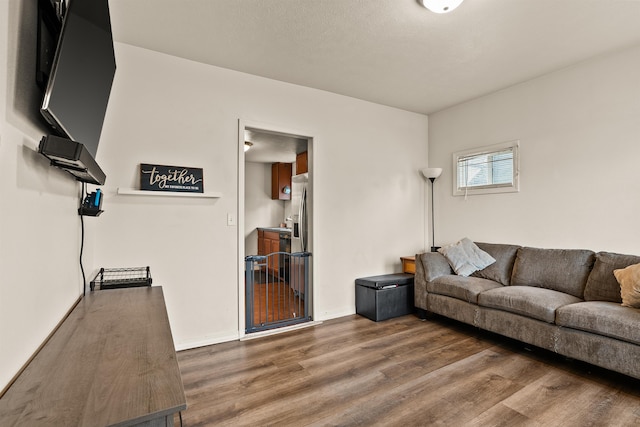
column 492, row 169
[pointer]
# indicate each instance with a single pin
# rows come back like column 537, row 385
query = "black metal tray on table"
column 116, row 278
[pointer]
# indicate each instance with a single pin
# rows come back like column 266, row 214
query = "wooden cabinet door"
column 281, row 179
column 262, row 249
column 275, row 259
column 302, row 163
column 271, row 235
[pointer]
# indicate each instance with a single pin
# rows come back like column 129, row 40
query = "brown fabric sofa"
column 564, row 300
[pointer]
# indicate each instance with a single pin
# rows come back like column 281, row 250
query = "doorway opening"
column 277, row 228
column 273, row 299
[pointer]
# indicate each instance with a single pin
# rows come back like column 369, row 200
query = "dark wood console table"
column 111, row 362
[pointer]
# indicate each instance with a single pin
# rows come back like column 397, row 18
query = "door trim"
column 311, row 149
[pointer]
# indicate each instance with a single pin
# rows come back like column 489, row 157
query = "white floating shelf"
column 133, row 192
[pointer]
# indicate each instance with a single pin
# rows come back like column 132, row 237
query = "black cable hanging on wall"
column 84, row 279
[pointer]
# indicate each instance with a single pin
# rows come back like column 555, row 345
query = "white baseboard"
column 275, row 331
column 328, row 315
column 241, row 336
column 209, row 341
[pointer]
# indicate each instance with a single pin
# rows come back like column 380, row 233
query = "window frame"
column 513, row 187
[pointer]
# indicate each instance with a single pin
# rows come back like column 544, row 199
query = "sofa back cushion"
column 602, row 284
column 434, row 265
column 499, row 271
column 563, row 270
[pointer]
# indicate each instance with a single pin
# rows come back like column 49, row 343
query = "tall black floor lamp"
column 431, row 174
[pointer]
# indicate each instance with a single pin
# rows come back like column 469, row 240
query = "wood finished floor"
column 275, row 302
column 400, row 372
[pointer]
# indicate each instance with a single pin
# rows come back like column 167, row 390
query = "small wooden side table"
column 408, row 264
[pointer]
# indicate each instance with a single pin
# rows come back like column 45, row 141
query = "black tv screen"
column 79, row 84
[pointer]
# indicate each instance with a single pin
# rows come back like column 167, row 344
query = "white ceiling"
column 270, row 147
column 392, row 52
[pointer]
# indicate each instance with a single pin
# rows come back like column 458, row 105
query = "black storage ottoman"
column 383, row 297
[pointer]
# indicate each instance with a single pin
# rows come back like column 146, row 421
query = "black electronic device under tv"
column 79, row 83
column 73, row 157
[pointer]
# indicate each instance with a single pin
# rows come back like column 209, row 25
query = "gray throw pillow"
column 465, row 257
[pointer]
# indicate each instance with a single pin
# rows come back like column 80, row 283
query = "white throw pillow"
column 465, row 257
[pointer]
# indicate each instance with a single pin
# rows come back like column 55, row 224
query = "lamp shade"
column 431, row 173
column 440, row 6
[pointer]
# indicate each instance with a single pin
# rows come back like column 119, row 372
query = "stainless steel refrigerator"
column 298, row 278
column 300, row 234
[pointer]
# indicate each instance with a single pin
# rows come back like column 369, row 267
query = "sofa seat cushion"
column 602, row 318
column 563, row 270
column 463, row 288
column 537, row 303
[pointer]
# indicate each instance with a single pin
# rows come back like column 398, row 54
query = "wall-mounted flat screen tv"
column 82, row 71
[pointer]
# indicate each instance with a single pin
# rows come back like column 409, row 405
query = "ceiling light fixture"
column 247, row 145
column 440, row 6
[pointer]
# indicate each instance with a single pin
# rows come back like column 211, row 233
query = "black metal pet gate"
column 277, row 290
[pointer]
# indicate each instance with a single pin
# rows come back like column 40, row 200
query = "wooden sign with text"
column 171, row 178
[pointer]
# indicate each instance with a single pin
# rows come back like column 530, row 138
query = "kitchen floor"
column 274, row 300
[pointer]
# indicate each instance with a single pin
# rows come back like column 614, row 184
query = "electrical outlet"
column 231, row 220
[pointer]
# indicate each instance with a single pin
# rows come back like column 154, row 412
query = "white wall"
column 368, row 194
column 170, row 111
column 580, row 144
column 260, row 210
column 40, row 277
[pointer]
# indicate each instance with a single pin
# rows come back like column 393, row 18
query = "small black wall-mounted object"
column 171, row 178
column 73, row 157
column 92, row 204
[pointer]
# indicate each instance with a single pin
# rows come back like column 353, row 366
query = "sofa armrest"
column 433, row 265
column 429, row 265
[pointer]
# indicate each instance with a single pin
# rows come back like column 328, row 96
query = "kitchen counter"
column 275, row 229
column 274, row 242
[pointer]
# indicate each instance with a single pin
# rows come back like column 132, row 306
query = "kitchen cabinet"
column 281, row 181
column 269, row 242
column 302, row 164
column 261, row 247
